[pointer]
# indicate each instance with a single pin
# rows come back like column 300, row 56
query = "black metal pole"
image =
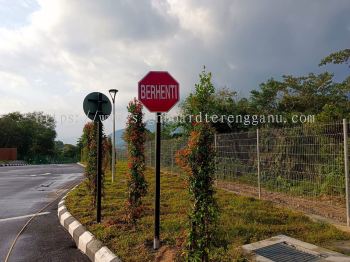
column 157, row 199
column 99, row 160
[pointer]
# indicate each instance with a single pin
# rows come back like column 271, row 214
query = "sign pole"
column 99, row 159
column 99, row 170
column 157, row 198
column 97, row 107
column 158, row 91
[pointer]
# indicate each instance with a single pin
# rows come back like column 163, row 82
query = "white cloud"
column 70, row 48
column 194, row 18
column 12, row 81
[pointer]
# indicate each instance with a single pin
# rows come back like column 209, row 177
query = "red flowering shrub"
column 89, row 144
column 135, row 136
column 90, row 147
column 107, row 153
column 198, row 161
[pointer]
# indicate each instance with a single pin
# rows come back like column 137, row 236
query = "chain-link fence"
column 169, row 149
column 307, row 161
column 301, row 167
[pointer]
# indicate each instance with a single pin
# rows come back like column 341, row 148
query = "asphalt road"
column 24, row 190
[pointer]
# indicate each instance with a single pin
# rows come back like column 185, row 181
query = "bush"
column 135, row 136
column 89, row 156
column 90, row 145
column 198, row 160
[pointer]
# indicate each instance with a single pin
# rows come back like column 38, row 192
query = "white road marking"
column 31, row 215
column 45, row 174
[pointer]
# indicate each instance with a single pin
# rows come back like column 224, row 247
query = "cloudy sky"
column 54, row 52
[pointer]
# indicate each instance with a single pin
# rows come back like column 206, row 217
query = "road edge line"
column 85, row 241
column 81, row 164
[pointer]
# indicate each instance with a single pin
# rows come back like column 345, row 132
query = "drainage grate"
column 282, row 252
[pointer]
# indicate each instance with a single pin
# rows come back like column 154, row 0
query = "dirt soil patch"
column 166, row 254
column 325, row 207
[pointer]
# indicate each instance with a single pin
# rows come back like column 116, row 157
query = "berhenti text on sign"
column 158, row 92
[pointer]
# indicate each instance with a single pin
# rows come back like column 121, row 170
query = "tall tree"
column 199, row 102
column 311, row 94
column 207, row 101
column 338, row 57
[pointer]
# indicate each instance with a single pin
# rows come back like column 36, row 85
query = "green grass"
column 327, row 180
column 243, row 220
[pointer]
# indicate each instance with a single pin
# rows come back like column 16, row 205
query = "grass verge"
column 243, row 220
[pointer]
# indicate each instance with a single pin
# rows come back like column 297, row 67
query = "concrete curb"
column 80, row 164
column 84, row 240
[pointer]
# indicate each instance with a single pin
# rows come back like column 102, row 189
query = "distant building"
column 8, row 154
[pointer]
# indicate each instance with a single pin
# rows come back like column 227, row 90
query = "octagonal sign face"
column 158, row 91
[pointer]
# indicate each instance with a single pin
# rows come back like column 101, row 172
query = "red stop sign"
column 158, row 91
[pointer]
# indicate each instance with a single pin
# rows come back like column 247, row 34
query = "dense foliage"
column 33, row 134
column 66, row 153
column 135, row 136
column 313, row 94
column 198, row 160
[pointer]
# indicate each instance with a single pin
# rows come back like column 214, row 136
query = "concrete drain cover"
column 282, row 248
column 282, row 252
